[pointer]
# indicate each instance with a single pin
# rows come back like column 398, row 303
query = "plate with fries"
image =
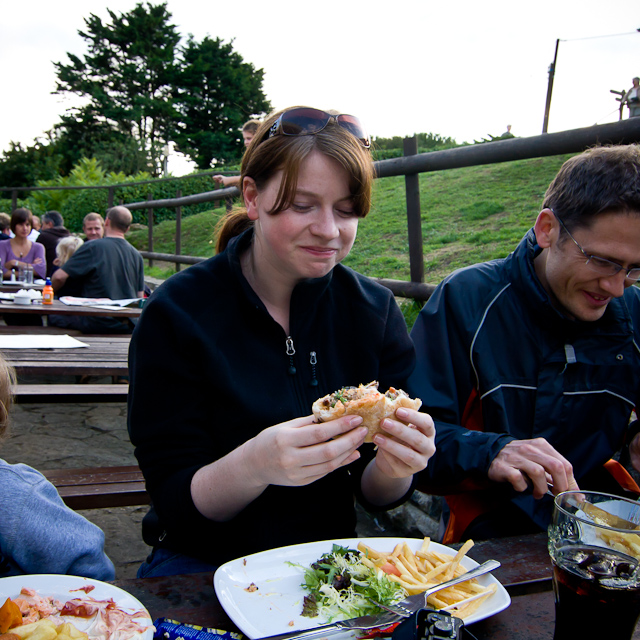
column 262, row 593
column 65, row 588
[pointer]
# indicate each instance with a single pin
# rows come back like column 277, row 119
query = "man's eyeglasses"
column 601, row 265
column 306, row 121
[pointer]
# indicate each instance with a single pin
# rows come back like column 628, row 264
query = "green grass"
column 469, row 215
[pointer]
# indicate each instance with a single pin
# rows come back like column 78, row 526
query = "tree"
column 86, row 135
column 142, row 90
column 127, row 75
column 24, row 166
column 216, row 93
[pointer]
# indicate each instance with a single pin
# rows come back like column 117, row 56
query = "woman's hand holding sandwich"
column 404, row 448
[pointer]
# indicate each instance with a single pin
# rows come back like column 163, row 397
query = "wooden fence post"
column 14, row 200
column 414, row 221
column 110, row 197
column 178, row 229
column 150, row 223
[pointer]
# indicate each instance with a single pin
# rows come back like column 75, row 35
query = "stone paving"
column 59, row 436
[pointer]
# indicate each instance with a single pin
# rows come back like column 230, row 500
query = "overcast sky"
column 462, row 69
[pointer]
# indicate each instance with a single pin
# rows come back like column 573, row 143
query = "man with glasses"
column 530, row 365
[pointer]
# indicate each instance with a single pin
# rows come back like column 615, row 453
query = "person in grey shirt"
column 38, row 532
column 105, row 268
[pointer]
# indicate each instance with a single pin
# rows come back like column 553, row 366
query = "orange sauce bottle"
column 47, row 292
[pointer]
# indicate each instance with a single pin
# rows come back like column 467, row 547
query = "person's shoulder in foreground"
column 517, row 358
column 38, row 532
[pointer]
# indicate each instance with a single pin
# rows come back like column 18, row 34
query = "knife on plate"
column 361, row 623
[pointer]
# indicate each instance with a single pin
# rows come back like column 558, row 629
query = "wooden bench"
column 100, row 487
column 12, row 330
column 41, row 393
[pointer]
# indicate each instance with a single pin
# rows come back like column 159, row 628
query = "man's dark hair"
column 53, row 217
column 600, row 180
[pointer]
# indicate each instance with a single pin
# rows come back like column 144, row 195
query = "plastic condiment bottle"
column 47, row 292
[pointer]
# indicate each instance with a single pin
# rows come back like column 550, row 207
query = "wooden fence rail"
column 410, row 165
column 413, row 163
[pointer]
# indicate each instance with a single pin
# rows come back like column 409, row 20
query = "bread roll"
column 365, row 401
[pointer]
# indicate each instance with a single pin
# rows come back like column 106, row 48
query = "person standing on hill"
column 249, row 129
column 632, row 98
column 106, row 268
column 53, row 230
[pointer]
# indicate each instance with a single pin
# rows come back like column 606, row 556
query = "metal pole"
column 552, row 72
column 150, row 223
column 414, row 221
column 178, row 229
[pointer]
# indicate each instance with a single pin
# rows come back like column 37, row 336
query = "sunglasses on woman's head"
column 306, row 121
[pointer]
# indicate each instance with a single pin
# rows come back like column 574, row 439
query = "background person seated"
column 5, row 226
column 529, row 365
column 52, row 231
column 64, row 250
column 19, row 251
column 38, row 532
column 93, row 226
column 105, row 268
column 35, row 228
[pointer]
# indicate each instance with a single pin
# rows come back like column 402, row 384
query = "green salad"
column 339, row 585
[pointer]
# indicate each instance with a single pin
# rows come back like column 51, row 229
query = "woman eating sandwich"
column 230, row 354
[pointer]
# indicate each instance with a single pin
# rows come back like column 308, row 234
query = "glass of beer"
column 594, row 544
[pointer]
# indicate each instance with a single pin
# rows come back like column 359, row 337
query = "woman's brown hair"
column 267, row 155
column 18, row 216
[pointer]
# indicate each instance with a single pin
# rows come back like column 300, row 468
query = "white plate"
column 278, row 600
column 63, row 587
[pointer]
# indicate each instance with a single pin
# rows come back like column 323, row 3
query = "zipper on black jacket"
column 291, row 352
column 313, row 360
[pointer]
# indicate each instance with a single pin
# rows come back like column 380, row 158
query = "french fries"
column 628, row 543
column 419, row 571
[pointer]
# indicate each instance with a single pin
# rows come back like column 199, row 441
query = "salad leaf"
column 340, row 585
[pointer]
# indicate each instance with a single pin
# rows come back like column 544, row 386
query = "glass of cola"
column 594, row 544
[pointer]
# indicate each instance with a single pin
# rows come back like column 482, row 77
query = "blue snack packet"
column 167, row 629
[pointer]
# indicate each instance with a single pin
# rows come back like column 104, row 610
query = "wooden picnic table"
column 7, row 287
column 61, row 309
column 105, row 356
column 525, row 572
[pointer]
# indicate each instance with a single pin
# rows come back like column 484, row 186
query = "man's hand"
column 536, row 461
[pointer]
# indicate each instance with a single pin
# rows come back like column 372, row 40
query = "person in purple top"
column 19, row 251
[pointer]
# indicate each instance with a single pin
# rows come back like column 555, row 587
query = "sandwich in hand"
column 365, row 401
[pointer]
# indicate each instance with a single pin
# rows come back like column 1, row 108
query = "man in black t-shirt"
column 106, row 268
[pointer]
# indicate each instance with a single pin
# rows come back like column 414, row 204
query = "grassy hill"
column 469, row 215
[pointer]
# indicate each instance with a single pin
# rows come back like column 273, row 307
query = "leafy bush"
column 74, row 204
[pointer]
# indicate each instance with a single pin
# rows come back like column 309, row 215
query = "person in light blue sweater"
column 38, row 532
